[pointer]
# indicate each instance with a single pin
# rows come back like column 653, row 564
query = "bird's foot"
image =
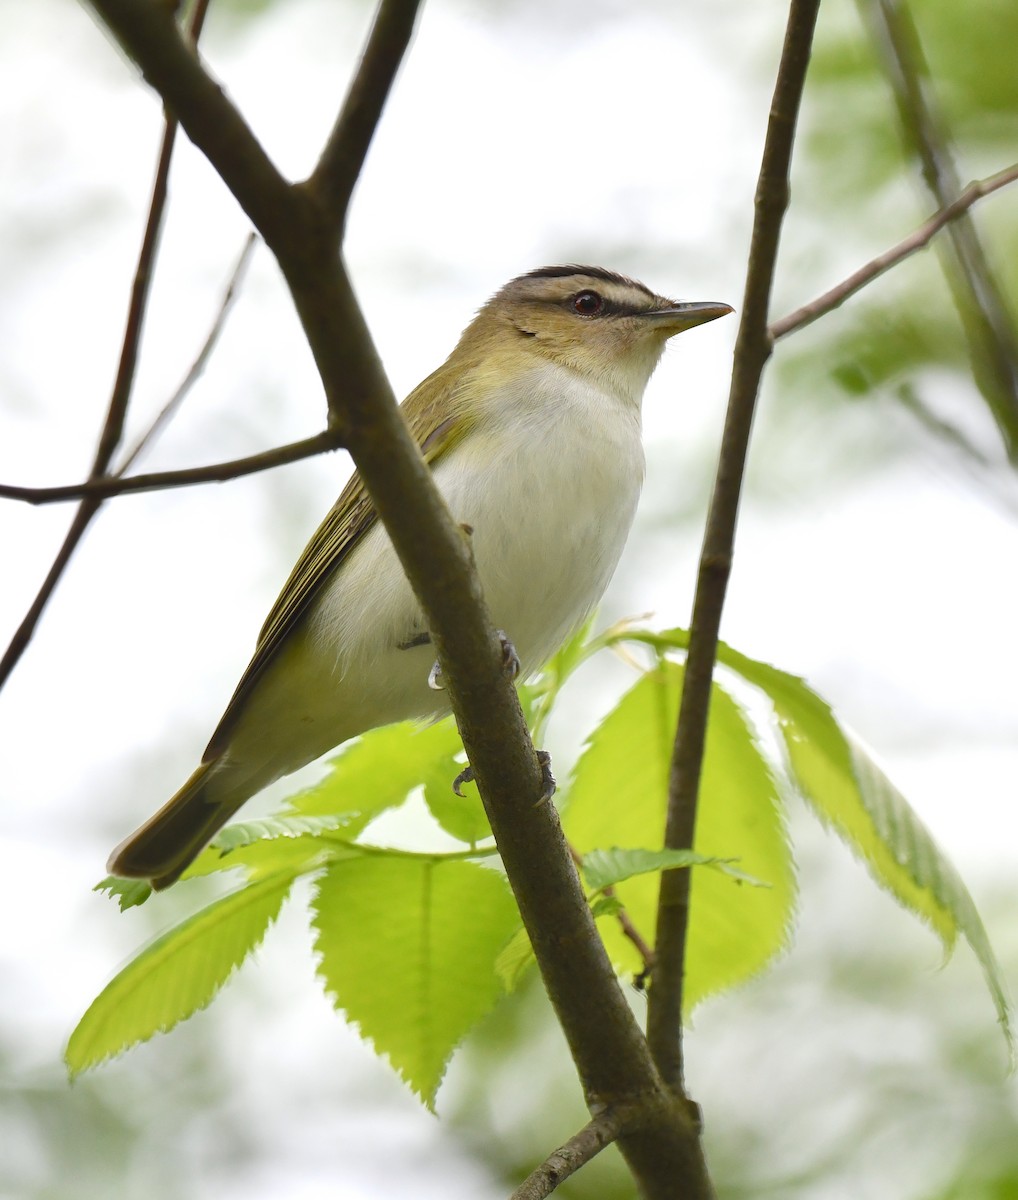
column 548, row 784
column 510, row 661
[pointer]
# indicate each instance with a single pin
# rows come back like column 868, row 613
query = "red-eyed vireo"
column 532, row 430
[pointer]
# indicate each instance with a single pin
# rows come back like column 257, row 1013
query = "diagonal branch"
column 170, row 64
column 752, row 350
column 116, row 413
column 878, row 266
column 662, row 1147
column 988, row 323
column 599, row 1132
column 196, row 369
column 343, row 157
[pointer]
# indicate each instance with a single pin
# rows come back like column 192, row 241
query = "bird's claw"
column 548, row 784
column 510, row 659
column 435, row 677
column 547, row 778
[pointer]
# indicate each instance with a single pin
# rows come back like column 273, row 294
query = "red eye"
column 587, row 304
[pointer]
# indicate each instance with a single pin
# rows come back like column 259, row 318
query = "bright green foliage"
column 517, row 957
column 618, row 795
column 128, row 893
column 177, row 974
column 604, row 868
column 415, row 947
column 408, row 948
column 270, row 844
column 460, row 816
column 851, row 795
column 379, row 771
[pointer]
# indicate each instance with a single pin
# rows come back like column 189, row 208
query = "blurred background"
column 877, row 556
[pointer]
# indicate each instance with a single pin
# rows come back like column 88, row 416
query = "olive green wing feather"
column 433, row 412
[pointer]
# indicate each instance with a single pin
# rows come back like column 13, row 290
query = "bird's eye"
column 587, row 304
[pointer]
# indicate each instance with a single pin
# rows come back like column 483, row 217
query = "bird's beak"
column 686, row 314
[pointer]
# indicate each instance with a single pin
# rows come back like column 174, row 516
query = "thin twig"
column 166, row 413
column 322, row 443
column 116, row 413
column 343, row 156
column 599, row 1132
column 101, row 489
column 989, row 325
column 625, row 921
column 878, row 266
column 752, row 350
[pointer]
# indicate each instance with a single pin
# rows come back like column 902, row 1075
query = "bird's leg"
column 511, row 667
column 435, row 674
column 510, row 659
column 548, row 784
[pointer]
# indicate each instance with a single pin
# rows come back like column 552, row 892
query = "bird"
column 532, row 430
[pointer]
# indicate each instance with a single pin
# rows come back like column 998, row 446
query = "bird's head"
column 588, row 319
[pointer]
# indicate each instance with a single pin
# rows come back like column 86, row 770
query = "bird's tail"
column 166, row 845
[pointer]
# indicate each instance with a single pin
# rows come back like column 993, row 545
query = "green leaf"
column 514, row 960
column 177, row 974
column 852, row 796
column 297, row 854
column 408, row 947
column 381, row 769
column 603, row 868
column 619, row 795
column 127, row 892
column 462, row 817
column 246, row 833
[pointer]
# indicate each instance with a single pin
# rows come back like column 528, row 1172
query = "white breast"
column 549, row 484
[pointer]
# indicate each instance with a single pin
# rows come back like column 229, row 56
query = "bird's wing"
column 348, row 521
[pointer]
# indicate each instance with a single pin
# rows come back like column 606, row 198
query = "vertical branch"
column 988, row 324
column 752, row 349
column 116, row 412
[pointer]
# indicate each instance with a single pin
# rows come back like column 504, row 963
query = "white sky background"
column 515, row 137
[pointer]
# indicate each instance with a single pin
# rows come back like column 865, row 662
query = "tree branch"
column 341, row 161
column 599, row 1132
column 197, row 368
column 979, row 299
column 662, row 1146
column 149, row 35
column 115, row 485
column 878, row 266
column 752, row 350
column 116, row 413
